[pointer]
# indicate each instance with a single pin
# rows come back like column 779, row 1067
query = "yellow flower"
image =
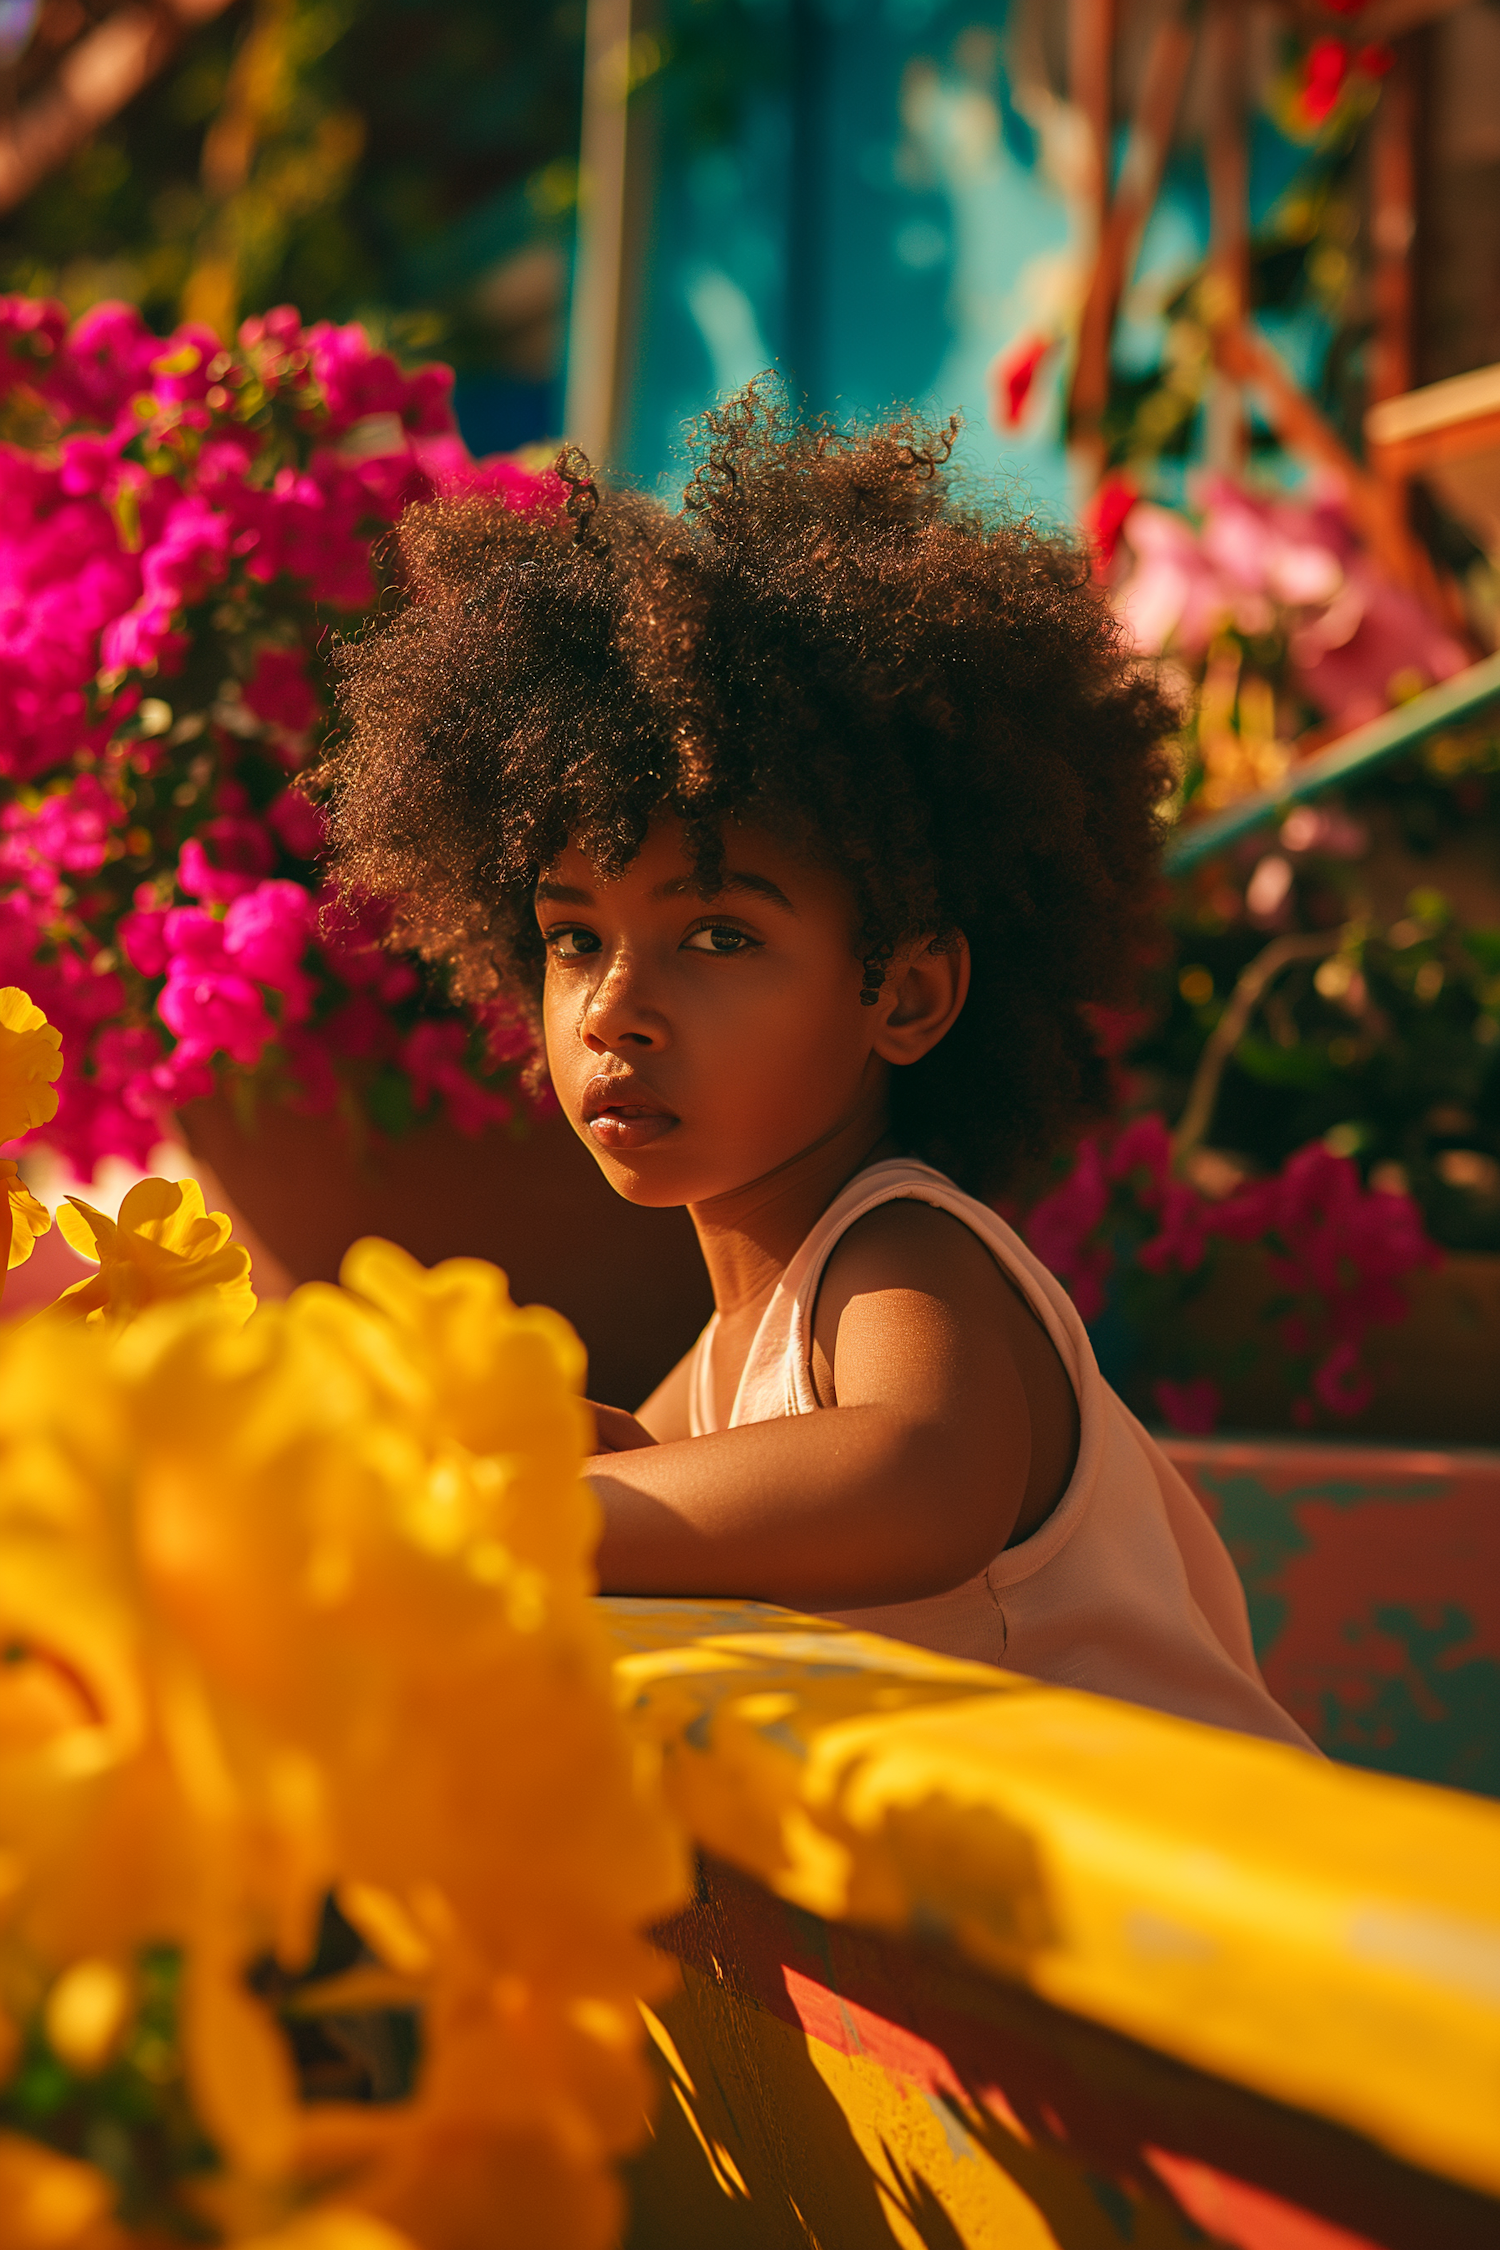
column 30, row 1058
column 50, row 2202
column 28, row 1218
column 303, row 1608
column 163, row 1245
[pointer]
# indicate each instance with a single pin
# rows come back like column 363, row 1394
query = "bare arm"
column 905, row 1486
column 664, row 1415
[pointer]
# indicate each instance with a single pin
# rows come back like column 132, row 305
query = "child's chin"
column 655, row 1187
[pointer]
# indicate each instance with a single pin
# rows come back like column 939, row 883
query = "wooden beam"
column 1091, row 48
column 1228, row 165
column 1393, row 227
column 1130, row 206
column 92, row 83
column 1241, row 352
column 1441, row 422
column 1384, row 20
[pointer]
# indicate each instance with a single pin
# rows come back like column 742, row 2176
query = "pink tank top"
column 1125, row 1590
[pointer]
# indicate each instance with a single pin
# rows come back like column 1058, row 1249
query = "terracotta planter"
column 1437, row 1373
column 631, row 1281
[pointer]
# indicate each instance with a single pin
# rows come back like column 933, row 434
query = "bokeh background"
column 878, row 197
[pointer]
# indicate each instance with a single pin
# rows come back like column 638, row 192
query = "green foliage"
column 1388, row 1048
column 351, row 156
column 412, row 166
column 132, row 2118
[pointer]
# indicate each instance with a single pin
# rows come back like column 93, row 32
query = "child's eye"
column 570, row 944
column 719, row 937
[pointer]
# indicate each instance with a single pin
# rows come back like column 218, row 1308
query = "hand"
column 619, row 1432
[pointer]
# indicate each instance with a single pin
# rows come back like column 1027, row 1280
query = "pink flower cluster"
column 219, row 973
column 1343, row 1250
column 1339, row 1248
column 1253, row 563
column 1067, row 1228
column 172, row 482
column 100, row 551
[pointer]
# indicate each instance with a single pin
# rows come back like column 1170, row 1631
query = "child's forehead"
column 751, row 859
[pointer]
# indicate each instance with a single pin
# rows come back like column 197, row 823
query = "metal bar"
column 1368, row 746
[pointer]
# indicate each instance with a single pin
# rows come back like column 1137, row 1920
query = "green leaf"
column 388, row 1100
column 1305, row 1067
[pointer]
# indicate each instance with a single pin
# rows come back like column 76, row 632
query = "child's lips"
column 619, row 1118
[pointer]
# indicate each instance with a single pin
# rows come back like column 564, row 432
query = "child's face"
column 698, row 1044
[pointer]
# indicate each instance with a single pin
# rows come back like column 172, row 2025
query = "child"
column 807, row 825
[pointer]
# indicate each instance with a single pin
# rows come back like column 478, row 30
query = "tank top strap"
column 777, row 1378
column 702, row 1421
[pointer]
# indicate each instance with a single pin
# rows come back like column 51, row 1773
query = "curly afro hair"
column 824, row 641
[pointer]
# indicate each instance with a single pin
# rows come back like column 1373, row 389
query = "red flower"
column 1343, row 1386
column 1327, row 68
column 1012, row 377
column 1106, row 516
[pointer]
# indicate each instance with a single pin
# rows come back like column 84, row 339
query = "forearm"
column 832, row 1510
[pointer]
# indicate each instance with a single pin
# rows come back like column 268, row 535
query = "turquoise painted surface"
column 888, row 214
column 1375, row 1608
column 896, row 200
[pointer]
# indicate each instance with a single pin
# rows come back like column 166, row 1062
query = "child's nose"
column 618, row 1016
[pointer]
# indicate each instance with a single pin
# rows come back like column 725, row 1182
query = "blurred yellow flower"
column 302, row 1603
column 49, row 2202
column 163, row 1245
column 28, row 1218
column 30, row 1058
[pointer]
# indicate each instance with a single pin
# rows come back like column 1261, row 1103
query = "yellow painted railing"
column 1325, row 1937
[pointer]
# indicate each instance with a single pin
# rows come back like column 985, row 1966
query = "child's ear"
column 923, row 995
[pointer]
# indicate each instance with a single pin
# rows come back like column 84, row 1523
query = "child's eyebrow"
column 735, row 879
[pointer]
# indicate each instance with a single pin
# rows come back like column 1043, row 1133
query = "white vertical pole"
column 594, row 318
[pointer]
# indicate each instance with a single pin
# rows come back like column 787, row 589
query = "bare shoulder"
column 911, row 1245
column 919, row 1271
column 916, row 1308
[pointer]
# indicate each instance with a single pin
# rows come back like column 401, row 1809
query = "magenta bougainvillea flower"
column 1338, row 1249
column 183, row 525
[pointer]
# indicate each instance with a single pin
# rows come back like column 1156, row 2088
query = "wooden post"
column 1228, row 279
column 590, row 407
column 1091, row 44
column 1393, row 228
column 1130, row 207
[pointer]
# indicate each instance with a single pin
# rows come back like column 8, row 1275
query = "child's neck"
column 749, row 1235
